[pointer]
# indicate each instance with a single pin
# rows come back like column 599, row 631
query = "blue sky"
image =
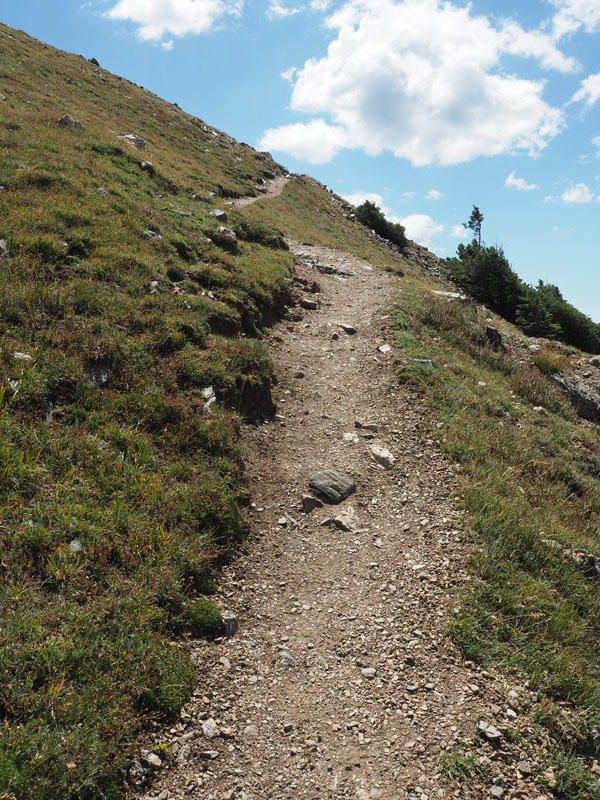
column 426, row 106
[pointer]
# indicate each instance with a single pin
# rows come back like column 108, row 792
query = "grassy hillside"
column 118, row 488
column 121, row 487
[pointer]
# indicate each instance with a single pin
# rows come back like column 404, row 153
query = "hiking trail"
column 341, row 681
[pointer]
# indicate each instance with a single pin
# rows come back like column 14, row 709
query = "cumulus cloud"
column 421, row 228
column 589, row 90
column 434, row 195
column 578, row 194
column 519, row 183
column 358, row 198
column 596, row 143
column 424, row 79
column 315, row 141
column 156, row 18
column 459, row 232
column 575, row 14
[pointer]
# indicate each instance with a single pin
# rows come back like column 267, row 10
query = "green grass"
column 527, row 476
column 119, row 497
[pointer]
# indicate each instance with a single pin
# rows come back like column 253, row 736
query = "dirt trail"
column 272, row 188
column 340, row 682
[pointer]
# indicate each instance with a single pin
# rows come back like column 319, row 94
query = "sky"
column 423, row 106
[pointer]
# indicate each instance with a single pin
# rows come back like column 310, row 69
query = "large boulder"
column 582, row 397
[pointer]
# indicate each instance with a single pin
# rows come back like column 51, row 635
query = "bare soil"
column 341, row 681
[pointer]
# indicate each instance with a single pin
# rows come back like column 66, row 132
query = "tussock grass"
column 528, row 476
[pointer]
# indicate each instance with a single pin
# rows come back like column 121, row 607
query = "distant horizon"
column 426, row 108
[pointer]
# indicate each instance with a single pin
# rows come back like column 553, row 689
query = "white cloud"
column 408, row 195
column 575, row 14
column 459, row 232
column 424, row 79
column 434, row 195
column 358, row 198
column 320, row 5
column 596, row 143
column 421, row 228
column 177, row 17
column 314, row 141
column 520, row 184
column 276, row 9
column 589, row 91
column 288, row 75
column 167, row 45
column 578, row 194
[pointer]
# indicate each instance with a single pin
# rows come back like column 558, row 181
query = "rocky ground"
column 340, row 681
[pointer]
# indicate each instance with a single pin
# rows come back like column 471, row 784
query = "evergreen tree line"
column 484, row 272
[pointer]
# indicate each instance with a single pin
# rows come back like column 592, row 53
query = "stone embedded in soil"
column 152, row 760
column 348, row 520
column 286, row 660
column 491, row 733
column 349, row 329
column 369, row 672
column 309, row 503
column 218, row 214
column 309, row 305
column 334, row 486
column 382, row 456
column 425, row 363
column 210, row 728
column 230, row 621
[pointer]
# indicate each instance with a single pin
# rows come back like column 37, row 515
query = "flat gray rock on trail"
column 332, row 485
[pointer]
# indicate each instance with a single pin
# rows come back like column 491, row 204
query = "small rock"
column 288, row 727
column 497, row 792
column 230, row 622
column 68, row 122
column 224, row 236
column 424, row 363
column 368, row 426
column 3, row 248
column 494, row 339
column 286, row 660
column 209, row 397
column 93, row 61
column 22, row 357
column 152, row 234
column 184, row 755
column 210, row 728
column 225, row 662
column 334, row 486
column 550, row 779
column 309, row 305
column 348, row 520
column 75, row 546
column 218, row 214
column 2, row 98
column 382, row 456
column 98, row 374
column 369, row 672
column 298, row 374
column 525, row 768
column 309, row 503
column 209, row 755
column 385, row 348
column 147, row 166
column 152, row 760
column 349, row 329
column 250, row 732
column 134, row 140
column 488, row 731
column 351, row 437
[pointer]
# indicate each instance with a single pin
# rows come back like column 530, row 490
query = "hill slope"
column 132, row 346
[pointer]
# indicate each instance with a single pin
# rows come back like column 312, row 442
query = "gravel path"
column 340, row 682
